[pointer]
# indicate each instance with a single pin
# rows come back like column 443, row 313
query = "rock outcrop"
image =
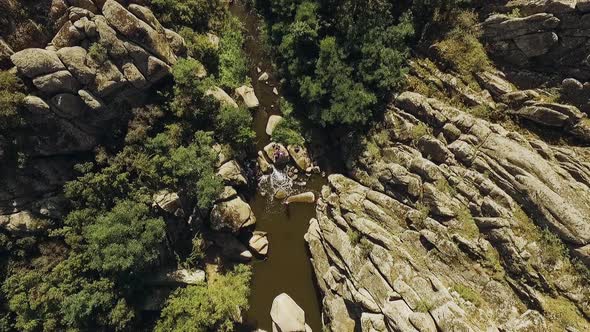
column 104, row 54
column 443, row 230
column 551, row 36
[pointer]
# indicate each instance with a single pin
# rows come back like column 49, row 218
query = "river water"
column 287, row 268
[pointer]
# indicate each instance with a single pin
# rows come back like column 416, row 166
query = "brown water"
column 287, row 268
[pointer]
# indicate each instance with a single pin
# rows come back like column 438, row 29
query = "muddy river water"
column 287, row 268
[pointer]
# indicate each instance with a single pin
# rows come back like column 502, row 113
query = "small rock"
column 571, row 85
column 275, row 91
column 263, row 77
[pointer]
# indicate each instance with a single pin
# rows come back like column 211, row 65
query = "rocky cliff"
column 442, row 231
column 103, row 59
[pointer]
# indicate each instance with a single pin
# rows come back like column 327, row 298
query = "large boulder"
column 75, row 60
column 232, row 216
column 33, row 62
column 286, row 315
column 67, row 36
column 277, row 153
column 536, row 44
column 272, row 123
column 248, row 96
column 221, row 96
column 167, row 201
column 300, row 156
column 21, row 222
column 232, row 173
column 137, row 30
column 258, row 243
column 60, row 81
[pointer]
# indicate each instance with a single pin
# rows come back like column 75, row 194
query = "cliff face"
column 442, row 232
column 105, row 55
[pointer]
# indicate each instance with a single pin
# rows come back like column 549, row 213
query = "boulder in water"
column 247, row 94
column 277, row 153
column 300, row 156
column 281, row 194
column 263, row 164
column 287, row 316
column 307, row 197
column 263, row 77
column 272, row 123
column 259, row 243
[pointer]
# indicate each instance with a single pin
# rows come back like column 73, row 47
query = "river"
column 287, row 268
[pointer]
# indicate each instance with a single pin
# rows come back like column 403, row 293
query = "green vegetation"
column 234, row 126
column 468, row 294
column 289, row 130
column 233, row 65
column 98, row 53
column 340, row 59
column 11, row 99
column 214, row 306
column 201, row 48
column 419, row 130
column 201, row 15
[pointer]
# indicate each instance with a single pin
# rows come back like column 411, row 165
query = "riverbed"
column 287, row 268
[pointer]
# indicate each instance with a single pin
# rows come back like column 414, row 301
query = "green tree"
column 125, row 239
column 189, row 101
column 234, row 126
column 212, row 306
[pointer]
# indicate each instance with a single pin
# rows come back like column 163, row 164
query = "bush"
column 233, row 64
column 234, row 126
column 288, row 132
column 11, row 99
column 214, row 306
column 98, row 53
column 189, row 99
column 201, row 48
column 200, row 15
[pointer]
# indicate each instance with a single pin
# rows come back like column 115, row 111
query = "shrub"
column 200, row 15
column 201, row 48
column 234, row 126
column 288, row 132
column 418, row 131
column 98, row 53
column 233, row 64
column 11, row 99
column 468, row 294
column 214, row 306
